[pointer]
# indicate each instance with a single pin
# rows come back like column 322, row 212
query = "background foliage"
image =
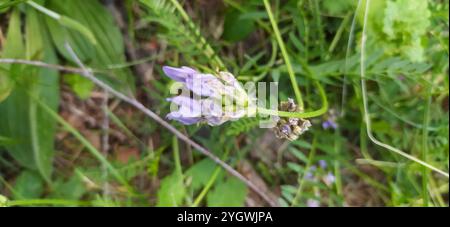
column 56, row 149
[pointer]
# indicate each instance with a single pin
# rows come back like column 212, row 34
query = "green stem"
column 337, row 165
column 425, row 171
column 298, row 194
column 176, row 155
column 56, row 202
column 318, row 21
column 297, row 92
column 310, row 114
column 210, row 182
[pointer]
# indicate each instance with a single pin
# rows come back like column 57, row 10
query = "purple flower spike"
column 178, row 74
column 210, row 109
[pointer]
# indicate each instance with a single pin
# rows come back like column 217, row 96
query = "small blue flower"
column 323, row 164
column 312, row 203
column 329, row 179
column 330, row 120
column 329, row 124
column 310, row 173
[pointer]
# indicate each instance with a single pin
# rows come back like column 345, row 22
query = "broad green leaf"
column 14, row 48
column 200, row 172
column 3, row 201
column 231, row 192
column 20, row 117
column 109, row 49
column 237, row 28
column 6, row 85
column 63, row 20
column 71, row 189
column 5, row 4
column 172, row 191
column 28, row 185
column 397, row 27
column 6, row 141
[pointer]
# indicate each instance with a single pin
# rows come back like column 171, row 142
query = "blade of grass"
column 298, row 194
column 46, row 202
column 318, row 20
column 287, row 61
column 425, row 171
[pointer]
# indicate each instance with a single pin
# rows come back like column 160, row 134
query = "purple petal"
column 187, row 107
column 286, row 129
column 189, row 111
column 214, row 121
column 323, row 164
column 204, row 85
column 228, row 78
column 183, row 120
column 178, row 74
column 211, row 107
column 329, row 124
column 329, row 178
column 309, row 175
column 312, row 203
column 236, row 114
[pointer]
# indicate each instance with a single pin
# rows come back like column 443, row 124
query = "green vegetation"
column 370, row 76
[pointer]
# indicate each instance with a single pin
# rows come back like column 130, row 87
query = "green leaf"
column 71, row 189
column 6, row 141
column 236, row 27
column 172, row 190
column 65, row 21
column 398, row 27
column 5, row 4
column 109, row 50
column 231, row 192
column 200, row 172
column 13, row 49
column 6, row 85
column 338, row 7
column 80, row 85
column 20, row 117
column 28, row 185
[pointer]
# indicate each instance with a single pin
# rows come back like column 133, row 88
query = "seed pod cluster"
column 289, row 127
